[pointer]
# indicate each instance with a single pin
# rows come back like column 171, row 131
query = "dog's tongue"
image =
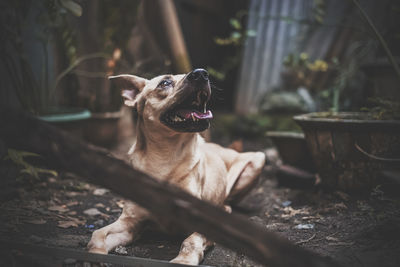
column 197, row 114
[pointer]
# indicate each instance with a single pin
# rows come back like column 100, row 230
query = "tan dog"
column 171, row 111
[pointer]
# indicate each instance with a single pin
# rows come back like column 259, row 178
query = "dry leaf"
column 67, row 224
column 72, row 194
column 72, row 203
column 290, row 212
column 61, row 208
column 74, row 222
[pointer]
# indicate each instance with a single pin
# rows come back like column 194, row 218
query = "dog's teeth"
column 177, row 118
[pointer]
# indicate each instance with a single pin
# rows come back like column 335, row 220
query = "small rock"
column 286, row 203
column 99, row 223
column 92, row 212
column 100, row 191
column 306, row 226
column 35, row 239
column 121, row 250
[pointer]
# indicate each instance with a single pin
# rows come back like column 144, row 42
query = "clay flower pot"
column 350, row 150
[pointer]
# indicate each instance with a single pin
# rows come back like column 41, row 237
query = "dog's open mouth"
column 190, row 115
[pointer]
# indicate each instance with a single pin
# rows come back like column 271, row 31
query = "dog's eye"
column 165, row 83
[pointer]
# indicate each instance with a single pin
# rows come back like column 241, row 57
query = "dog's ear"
column 130, row 86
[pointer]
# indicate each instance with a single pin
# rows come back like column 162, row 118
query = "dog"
column 171, row 111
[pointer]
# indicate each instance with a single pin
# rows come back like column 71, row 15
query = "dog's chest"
column 192, row 175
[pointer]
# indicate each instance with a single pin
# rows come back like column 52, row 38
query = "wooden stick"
column 174, row 35
column 170, row 203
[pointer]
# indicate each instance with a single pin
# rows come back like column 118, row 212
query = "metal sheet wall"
column 281, row 29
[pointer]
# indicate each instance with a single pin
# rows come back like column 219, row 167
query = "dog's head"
column 178, row 102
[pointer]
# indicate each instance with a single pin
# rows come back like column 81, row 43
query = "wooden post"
column 174, row 35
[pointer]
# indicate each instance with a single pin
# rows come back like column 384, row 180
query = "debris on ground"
column 356, row 231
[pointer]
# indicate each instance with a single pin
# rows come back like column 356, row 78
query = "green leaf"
column 235, row 23
column 17, row 157
column 251, row 33
column 236, row 35
column 72, row 7
column 215, row 73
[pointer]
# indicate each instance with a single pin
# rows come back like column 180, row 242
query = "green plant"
column 383, row 109
column 35, row 95
column 236, row 39
column 302, row 69
column 18, row 158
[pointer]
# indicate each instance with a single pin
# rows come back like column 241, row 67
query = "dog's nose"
column 200, row 75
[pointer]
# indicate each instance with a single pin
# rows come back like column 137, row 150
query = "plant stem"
column 380, row 38
column 75, row 64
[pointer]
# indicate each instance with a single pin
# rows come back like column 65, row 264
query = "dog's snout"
column 199, row 75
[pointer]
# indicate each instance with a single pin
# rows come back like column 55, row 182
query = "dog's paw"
column 98, row 250
column 185, row 260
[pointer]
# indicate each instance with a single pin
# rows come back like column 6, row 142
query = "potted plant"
column 104, row 28
column 28, row 71
column 58, row 55
column 352, row 149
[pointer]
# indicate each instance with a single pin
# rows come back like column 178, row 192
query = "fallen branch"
column 168, row 202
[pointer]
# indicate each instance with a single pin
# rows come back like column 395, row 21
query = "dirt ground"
column 62, row 212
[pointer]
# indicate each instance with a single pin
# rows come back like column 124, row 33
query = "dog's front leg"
column 192, row 249
column 120, row 232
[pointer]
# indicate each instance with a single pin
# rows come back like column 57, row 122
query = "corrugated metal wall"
column 281, row 29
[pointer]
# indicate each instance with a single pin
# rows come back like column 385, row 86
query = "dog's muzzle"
column 198, row 76
column 190, row 114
